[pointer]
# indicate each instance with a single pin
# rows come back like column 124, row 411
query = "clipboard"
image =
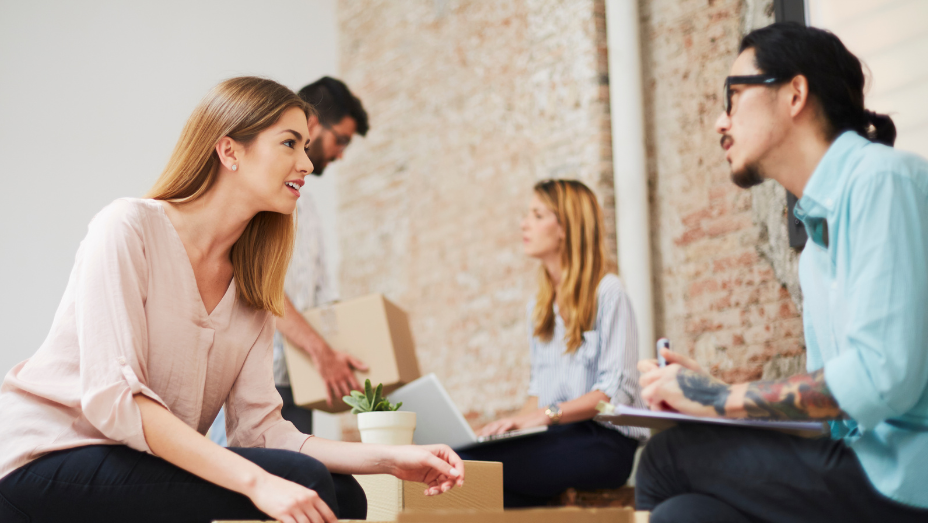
column 630, row 416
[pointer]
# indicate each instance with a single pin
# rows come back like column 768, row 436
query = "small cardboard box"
column 388, row 496
column 370, row 328
column 535, row 515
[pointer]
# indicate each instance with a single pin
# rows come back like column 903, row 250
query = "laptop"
column 438, row 420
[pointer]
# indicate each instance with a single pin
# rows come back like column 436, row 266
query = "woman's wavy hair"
column 239, row 108
column 583, row 262
column 835, row 75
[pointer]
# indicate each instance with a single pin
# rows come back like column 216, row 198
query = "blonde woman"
column 583, row 350
column 168, row 315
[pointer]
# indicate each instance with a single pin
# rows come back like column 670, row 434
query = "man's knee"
column 695, row 508
column 658, row 450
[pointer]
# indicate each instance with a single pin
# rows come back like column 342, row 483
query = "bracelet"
column 554, row 413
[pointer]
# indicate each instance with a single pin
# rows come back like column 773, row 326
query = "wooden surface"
column 541, row 515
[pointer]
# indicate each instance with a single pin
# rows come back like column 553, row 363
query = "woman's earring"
column 234, row 167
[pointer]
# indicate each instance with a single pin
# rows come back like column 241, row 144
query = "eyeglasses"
column 754, row 79
column 341, row 140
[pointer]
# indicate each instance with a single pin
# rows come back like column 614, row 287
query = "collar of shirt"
column 824, row 187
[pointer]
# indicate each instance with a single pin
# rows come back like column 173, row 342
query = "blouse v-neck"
column 192, row 277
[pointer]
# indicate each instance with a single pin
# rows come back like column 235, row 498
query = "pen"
column 662, row 343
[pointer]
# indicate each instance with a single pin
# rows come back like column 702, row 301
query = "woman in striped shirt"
column 583, row 350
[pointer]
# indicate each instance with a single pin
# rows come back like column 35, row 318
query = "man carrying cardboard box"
column 340, row 116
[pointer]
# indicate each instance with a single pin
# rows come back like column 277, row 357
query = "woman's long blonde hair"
column 239, row 108
column 583, row 262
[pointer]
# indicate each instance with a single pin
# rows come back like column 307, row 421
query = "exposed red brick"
column 726, row 224
column 690, row 236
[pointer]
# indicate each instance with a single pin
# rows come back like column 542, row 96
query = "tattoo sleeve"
column 805, row 396
column 703, row 389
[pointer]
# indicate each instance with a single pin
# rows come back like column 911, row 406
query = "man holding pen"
column 794, row 113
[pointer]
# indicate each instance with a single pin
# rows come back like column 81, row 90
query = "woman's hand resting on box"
column 437, row 466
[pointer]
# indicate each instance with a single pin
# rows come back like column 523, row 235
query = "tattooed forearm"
column 703, row 389
column 805, row 396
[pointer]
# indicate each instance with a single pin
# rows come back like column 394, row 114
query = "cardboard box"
column 388, row 496
column 538, row 515
column 370, row 328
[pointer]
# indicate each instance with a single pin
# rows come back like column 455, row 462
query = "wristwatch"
column 554, row 413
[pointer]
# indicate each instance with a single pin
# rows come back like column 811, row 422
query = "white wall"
column 891, row 38
column 92, row 99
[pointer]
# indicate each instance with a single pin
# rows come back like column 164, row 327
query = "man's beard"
column 747, row 177
column 317, row 156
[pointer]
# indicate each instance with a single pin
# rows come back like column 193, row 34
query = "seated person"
column 794, row 113
column 168, row 314
column 584, row 349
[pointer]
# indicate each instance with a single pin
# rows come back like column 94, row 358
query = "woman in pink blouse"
column 168, row 315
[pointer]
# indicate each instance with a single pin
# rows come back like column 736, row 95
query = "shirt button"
column 829, row 201
column 122, row 361
column 834, row 285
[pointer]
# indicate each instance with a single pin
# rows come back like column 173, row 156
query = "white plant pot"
column 387, row 428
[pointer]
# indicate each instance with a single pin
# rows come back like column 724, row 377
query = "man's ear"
column 227, row 150
column 314, row 126
column 799, row 94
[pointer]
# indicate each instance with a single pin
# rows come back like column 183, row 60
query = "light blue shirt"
column 864, row 278
column 606, row 361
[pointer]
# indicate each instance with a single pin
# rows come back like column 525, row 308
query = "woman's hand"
column 523, row 421
column 289, row 502
column 435, row 465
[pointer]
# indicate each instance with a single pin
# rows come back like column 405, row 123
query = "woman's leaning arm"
column 582, row 408
column 174, row 441
column 579, row 409
column 531, row 405
column 435, row 465
column 533, row 415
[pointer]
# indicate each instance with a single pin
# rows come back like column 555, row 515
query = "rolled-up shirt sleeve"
column 253, row 416
column 882, row 366
column 112, row 277
column 617, row 375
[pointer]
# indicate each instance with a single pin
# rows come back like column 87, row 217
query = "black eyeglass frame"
column 752, row 79
column 341, row 140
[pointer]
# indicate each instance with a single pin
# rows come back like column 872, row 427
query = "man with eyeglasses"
column 340, row 115
column 794, row 113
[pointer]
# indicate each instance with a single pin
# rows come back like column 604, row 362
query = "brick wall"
column 719, row 296
column 471, row 102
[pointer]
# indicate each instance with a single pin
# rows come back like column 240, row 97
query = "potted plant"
column 378, row 419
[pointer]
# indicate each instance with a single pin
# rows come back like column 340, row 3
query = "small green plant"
column 370, row 400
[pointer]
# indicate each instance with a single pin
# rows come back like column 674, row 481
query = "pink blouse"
column 132, row 322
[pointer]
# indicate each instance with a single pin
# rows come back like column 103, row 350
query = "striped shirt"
column 606, row 361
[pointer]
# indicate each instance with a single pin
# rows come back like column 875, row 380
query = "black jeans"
column 301, row 418
column 583, row 455
column 698, row 473
column 113, row 483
